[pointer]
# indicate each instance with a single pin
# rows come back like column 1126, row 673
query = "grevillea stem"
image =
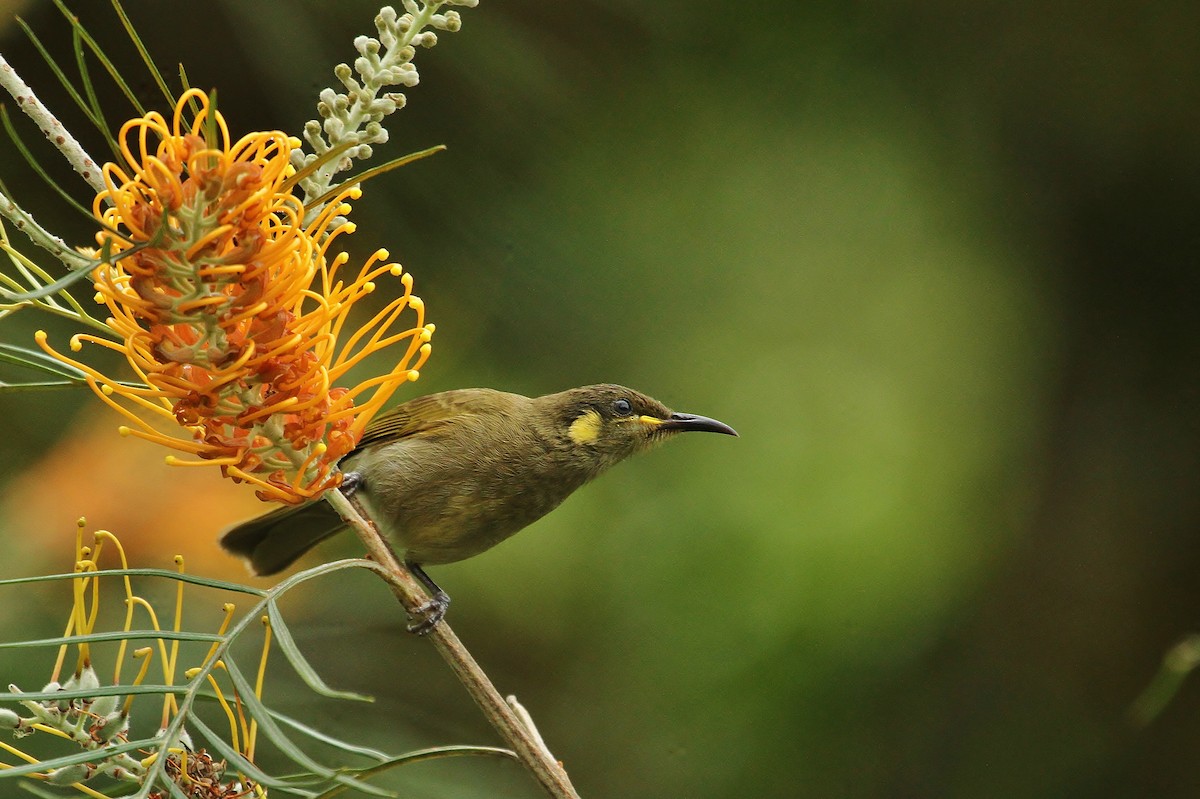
column 521, row 737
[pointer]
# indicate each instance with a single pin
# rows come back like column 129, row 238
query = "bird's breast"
column 447, row 496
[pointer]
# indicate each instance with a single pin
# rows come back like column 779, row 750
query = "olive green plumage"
column 450, row 475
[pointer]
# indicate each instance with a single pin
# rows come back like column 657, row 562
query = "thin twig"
column 40, row 236
column 68, row 145
column 521, row 738
column 49, row 125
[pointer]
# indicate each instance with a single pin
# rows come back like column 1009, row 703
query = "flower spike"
column 230, row 311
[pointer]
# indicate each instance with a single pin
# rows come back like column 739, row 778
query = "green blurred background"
column 936, row 262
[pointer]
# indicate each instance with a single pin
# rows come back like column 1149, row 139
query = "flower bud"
column 68, row 775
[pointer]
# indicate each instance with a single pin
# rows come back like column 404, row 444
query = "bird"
column 447, row 476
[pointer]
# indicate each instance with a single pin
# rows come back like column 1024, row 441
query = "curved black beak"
column 684, row 422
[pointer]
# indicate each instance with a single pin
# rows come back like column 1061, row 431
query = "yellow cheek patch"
column 585, row 429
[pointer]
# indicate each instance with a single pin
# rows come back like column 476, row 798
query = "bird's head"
column 607, row 423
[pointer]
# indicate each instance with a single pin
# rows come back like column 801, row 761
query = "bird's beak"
column 683, row 422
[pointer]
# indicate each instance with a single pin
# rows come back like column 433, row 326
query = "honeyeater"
column 449, row 475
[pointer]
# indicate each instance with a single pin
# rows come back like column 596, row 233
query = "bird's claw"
column 427, row 615
column 350, row 482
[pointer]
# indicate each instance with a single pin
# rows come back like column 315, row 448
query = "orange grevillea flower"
column 232, row 312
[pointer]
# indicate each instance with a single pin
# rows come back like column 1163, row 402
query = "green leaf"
column 287, row 645
column 268, row 728
column 329, row 740
column 91, row 693
column 64, row 282
column 331, row 154
column 87, row 39
column 172, row 787
column 193, row 579
column 85, row 77
column 16, row 388
column 364, row 176
column 63, row 80
column 119, row 635
column 79, row 757
column 417, row 756
column 151, row 67
column 37, row 167
column 236, row 759
column 38, row 361
column 37, row 790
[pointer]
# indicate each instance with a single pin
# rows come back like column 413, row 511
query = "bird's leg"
column 425, row 617
column 429, row 614
column 351, row 481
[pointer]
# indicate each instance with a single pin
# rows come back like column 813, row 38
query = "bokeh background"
column 935, row 261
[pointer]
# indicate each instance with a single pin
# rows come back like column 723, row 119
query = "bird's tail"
column 272, row 542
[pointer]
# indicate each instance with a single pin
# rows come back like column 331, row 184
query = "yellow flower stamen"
column 228, row 609
column 252, row 735
column 231, row 312
column 144, row 654
column 230, row 716
column 102, row 536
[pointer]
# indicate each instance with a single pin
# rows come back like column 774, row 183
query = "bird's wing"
column 417, row 416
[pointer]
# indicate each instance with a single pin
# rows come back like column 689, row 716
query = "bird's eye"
column 622, row 407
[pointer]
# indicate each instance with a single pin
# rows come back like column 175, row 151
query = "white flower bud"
column 112, row 725
column 334, row 128
column 88, row 680
column 103, row 705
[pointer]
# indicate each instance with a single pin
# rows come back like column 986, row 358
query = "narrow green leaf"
column 193, row 579
column 267, row 726
column 98, row 52
column 363, row 177
column 85, row 77
column 151, row 67
column 433, row 753
column 37, row 360
column 35, row 789
column 118, row 635
column 70, row 760
column 319, row 571
column 287, row 645
column 91, row 693
column 17, row 388
column 329, row 740
column 64, row 282
column 36, row 166
column 174, row 788
column 331, row 154
column 210, row 120
column 66, row 83
column 237, row 760
column 184, row 83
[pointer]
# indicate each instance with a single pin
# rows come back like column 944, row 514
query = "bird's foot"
column 426, row 616
column 350, row 482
